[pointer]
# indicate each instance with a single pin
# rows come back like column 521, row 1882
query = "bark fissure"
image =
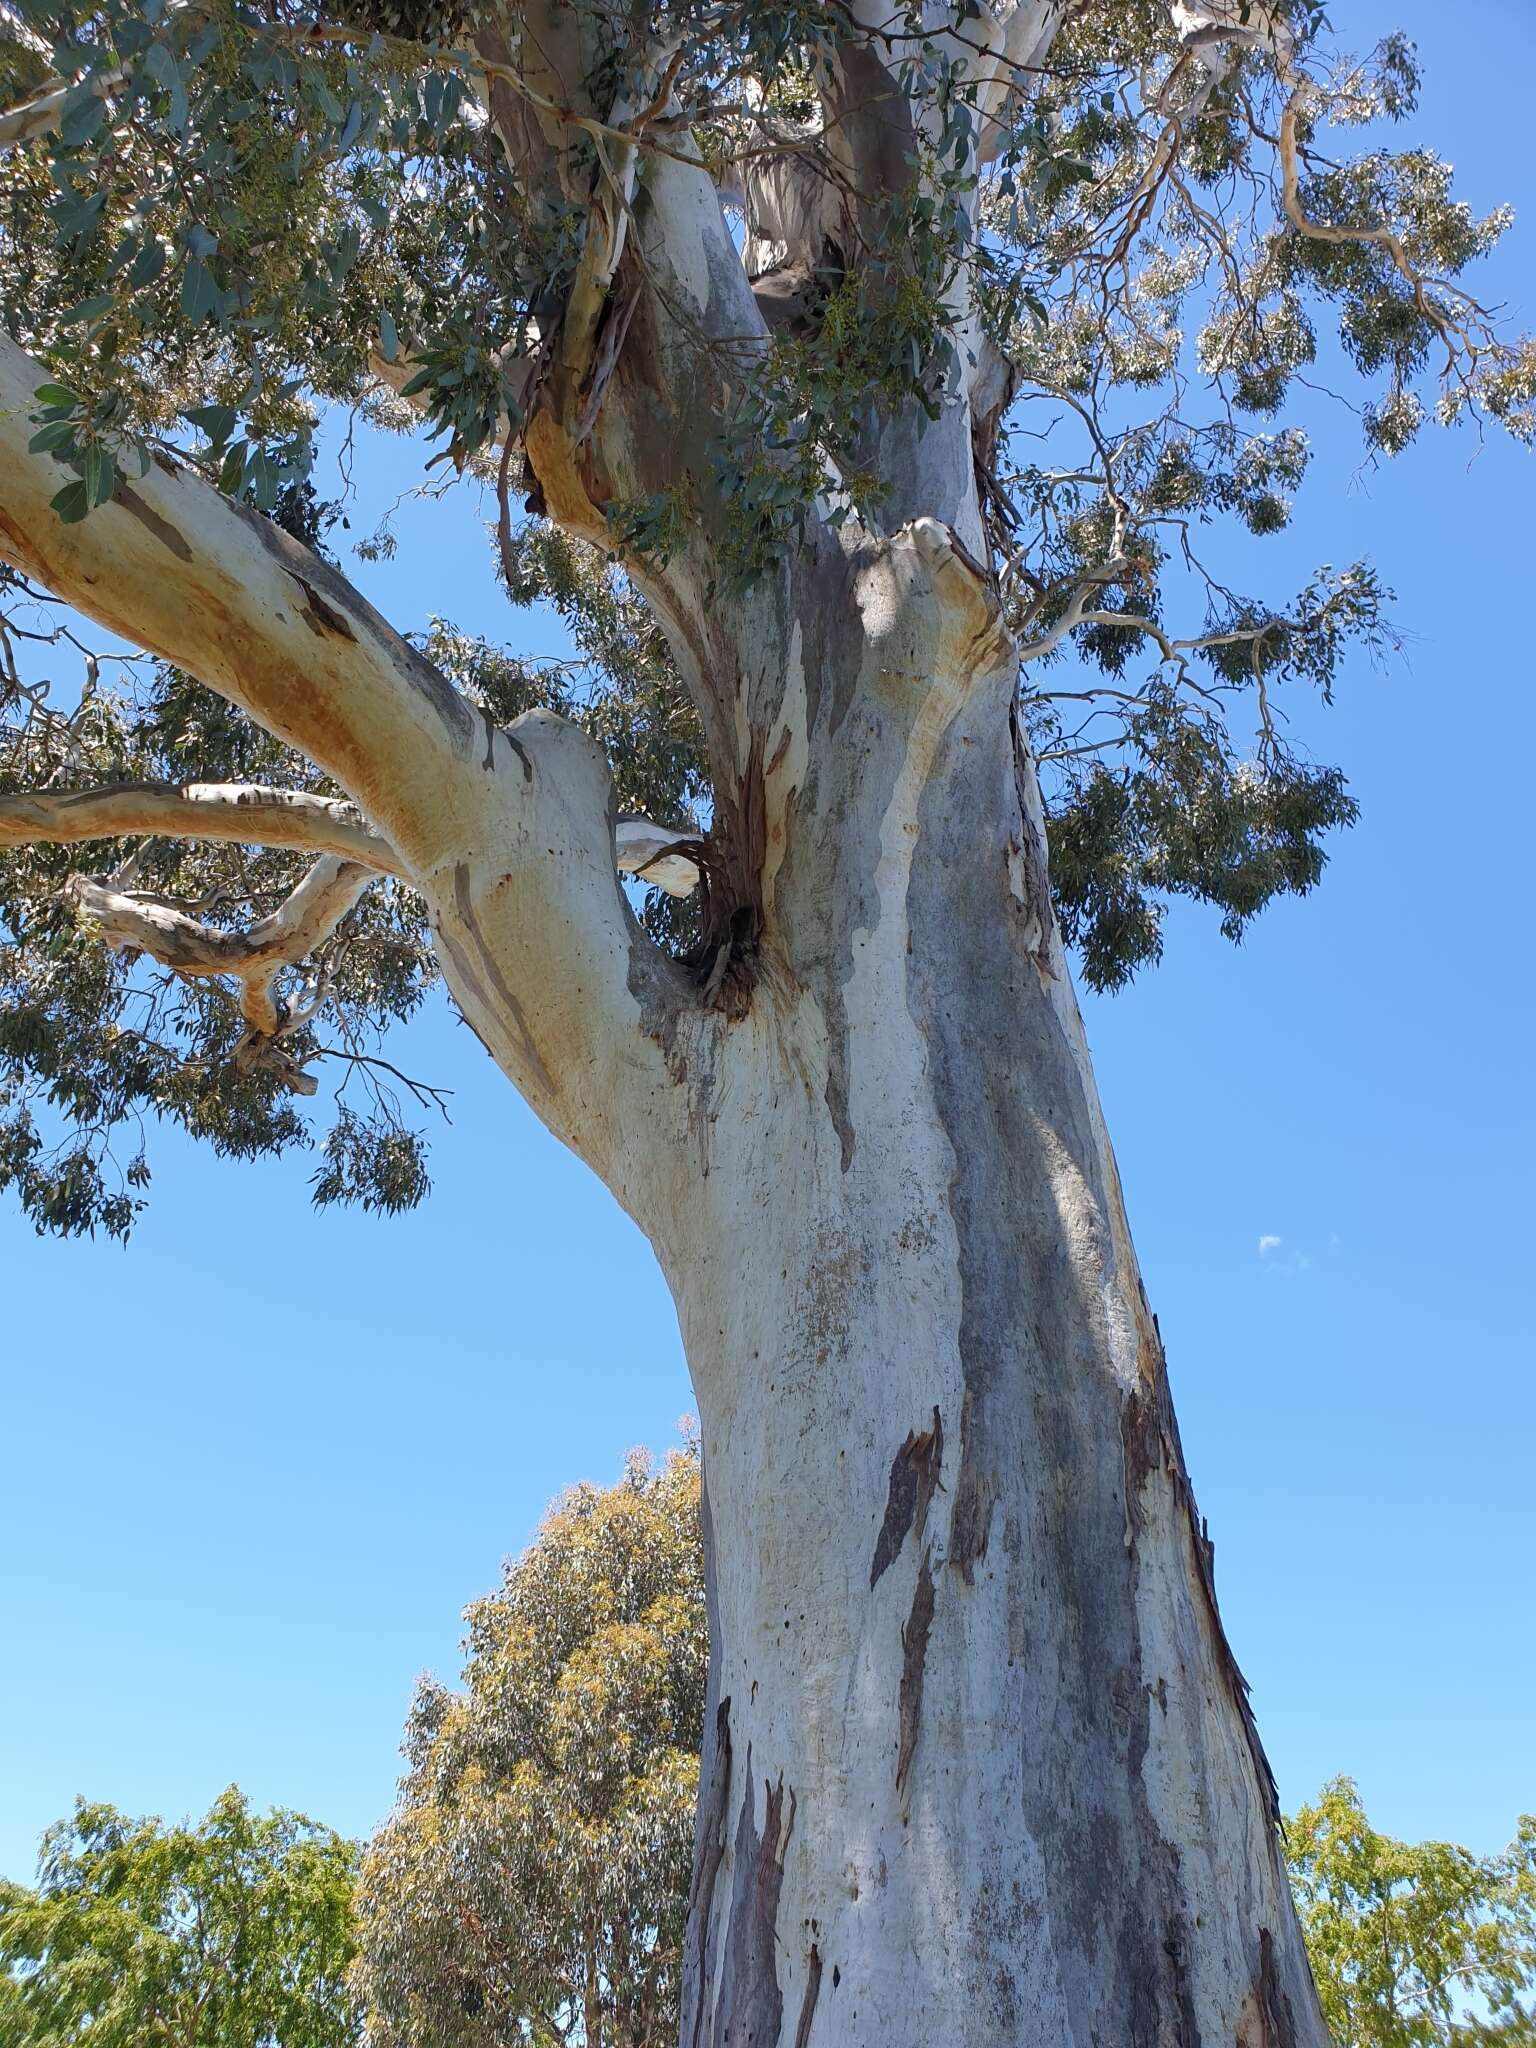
column 914, row 1665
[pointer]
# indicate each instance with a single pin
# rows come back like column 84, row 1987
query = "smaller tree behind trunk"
column 532, row 1882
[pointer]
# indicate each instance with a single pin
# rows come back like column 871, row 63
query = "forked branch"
column 130, row 921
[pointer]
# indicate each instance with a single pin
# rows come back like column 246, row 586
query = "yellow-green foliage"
column 235, row 1933
column 536, row 1869
column 1414, row 1945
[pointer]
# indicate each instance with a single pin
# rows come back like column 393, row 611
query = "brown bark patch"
column 1275, row 2014
column 914, row 1477
column 146, row 515
column 914, row 1658
column 1149, row 1434
column 319, row 616
column 750, row 2010
column 975, row 1496
column 1267, row 2019
column 812, row 1993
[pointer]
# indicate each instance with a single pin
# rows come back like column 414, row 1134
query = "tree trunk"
column 979, row 1766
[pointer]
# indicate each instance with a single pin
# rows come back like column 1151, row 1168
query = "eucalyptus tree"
column 839, row 371
column 532, row 1882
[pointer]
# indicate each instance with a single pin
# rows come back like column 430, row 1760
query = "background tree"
column 236, row 1931
column 532, row 1884
column 866, row 362
column 1414, row 1945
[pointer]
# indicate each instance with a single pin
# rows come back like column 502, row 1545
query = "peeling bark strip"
column 750, row 2009
column 914, row 1476
column 914, row 1657
column 812, row 1993
column 708, row 1851
column 1149, row 1433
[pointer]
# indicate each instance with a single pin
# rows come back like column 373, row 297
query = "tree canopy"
column 1414, row 1945
column 233, row 230
column 236, row 1930
column 532, row 1883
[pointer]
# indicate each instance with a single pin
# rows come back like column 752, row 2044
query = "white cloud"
column 1268, row 1243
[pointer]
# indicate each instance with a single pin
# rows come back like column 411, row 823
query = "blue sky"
column 256, row 1463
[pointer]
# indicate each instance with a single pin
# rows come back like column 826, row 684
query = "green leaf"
column 55, row 394
column 200, row 294
column 57, row 434
column 389, row 339
column 216, row 422
column 233, row 470
column 100, row 475
column 148, row 264
column 88, row 309
column 261, row 479
column 162, row 67
column 72, row 503
column 83, row 114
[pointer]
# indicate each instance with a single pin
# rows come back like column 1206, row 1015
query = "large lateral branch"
column 174, row 566
column 243, row 813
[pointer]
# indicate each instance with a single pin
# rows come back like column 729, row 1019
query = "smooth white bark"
column 506, row 833
column 979, row 1767
column 247, row 813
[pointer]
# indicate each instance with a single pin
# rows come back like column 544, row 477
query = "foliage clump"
column 533, row 1879
column 237, row 1929
column 1414, row 1945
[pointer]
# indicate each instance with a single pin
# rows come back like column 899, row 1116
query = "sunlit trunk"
column 979, row 1766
